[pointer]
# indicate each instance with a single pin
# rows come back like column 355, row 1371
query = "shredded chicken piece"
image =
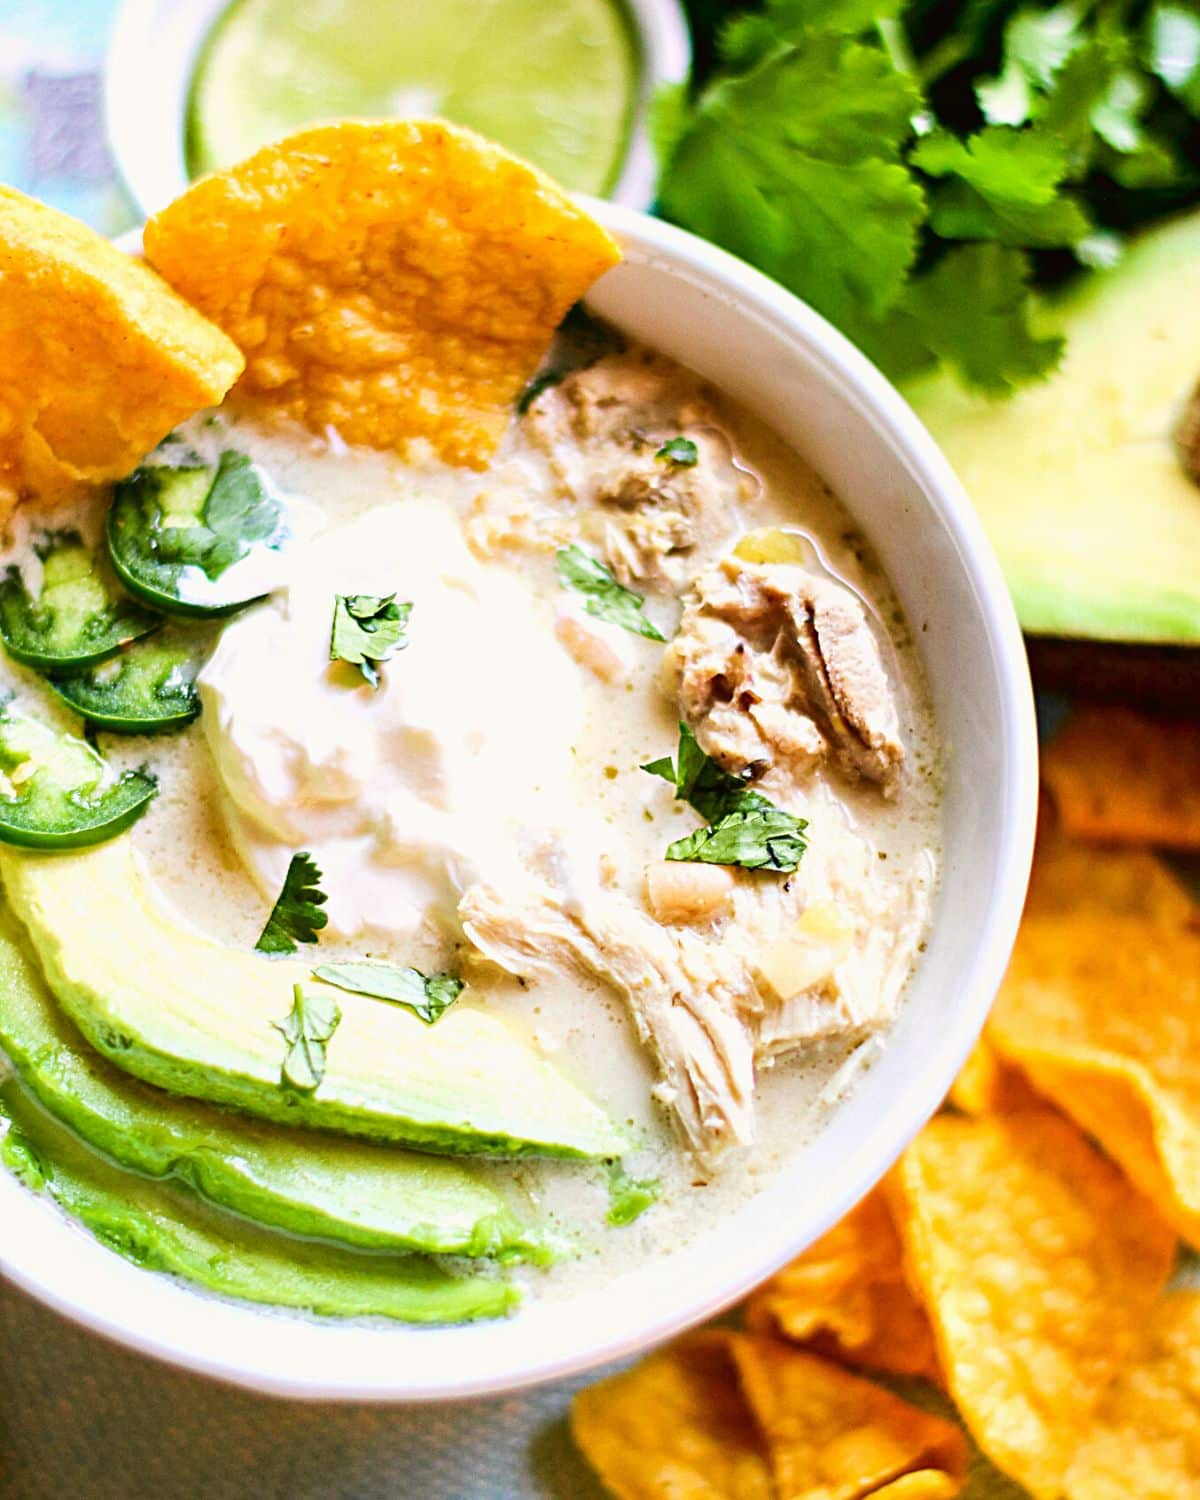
column 654, row 520
column 684, row 994
column 778, row 667
column 861, row 994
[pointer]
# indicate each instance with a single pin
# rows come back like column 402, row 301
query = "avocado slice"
column 173, row 1007
column 163, row 1229
column 1077, row 479
column 356, row 1193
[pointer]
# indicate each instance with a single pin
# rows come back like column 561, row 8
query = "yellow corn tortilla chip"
column 1145, row 1440
column 846, row 1297
column 832, row 1435
column 394, row 281
column 1070, row 875
column 1039, row 1264
column 99, row 358
column 674, row 1425
column 1103, row 1013
column 922, row 1484
column 1119, row 776
column 988, row 1084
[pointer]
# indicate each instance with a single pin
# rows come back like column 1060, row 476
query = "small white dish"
column 156, row 44
column 786, row 364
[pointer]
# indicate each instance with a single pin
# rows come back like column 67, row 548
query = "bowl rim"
column 49, row 1277
column 145, row 118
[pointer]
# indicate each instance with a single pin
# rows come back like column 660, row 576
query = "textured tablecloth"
column 82, row 1418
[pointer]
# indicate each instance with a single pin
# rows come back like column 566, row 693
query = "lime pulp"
column 555, row 83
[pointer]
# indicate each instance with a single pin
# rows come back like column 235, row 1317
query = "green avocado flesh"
column 353, row 1192
column 164, row 1229
column 178, row 1010
column 556, row 83
column 1076, row 479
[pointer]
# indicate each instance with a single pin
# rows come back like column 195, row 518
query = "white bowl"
column 790, row 367
column 155, row 45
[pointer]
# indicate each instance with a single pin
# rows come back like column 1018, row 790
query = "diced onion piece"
column 820, row 940
column 679, row 892
column 771, row 544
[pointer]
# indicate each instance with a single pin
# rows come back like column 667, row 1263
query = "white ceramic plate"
column 790, row 367
column 145, row 103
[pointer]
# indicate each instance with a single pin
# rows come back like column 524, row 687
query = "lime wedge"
column 555, row 83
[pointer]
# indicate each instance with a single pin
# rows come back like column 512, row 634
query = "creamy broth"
column 193, row 841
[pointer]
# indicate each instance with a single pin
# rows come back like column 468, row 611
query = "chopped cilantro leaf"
column 542, row 381
column 629, row 1197
column 603, row 596
column 296, row 916
column 427, row 995
column 744, row 827
column 698, row 779
column 756, row 838
column 681, row 451
column 367, row 629
column 313, row 1020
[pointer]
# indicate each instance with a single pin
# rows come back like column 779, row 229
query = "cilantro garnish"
column 542, row 381
column 628, row 1197
column 918, row 173
column 296, row 916
column 313, row 1020
column 758, row 838
column 744, row 827
column 681, row 451
column 604, row 597
column 367, row 629
column 238, row 512
column 426, row 995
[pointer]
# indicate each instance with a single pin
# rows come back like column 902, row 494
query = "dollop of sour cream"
column 405, row 794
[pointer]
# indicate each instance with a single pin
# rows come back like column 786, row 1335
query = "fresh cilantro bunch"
column 917, row 171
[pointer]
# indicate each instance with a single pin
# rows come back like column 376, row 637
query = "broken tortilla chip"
column 1116, row 775
column 100, row 358
column 1145, row 1439
column 922, row 1484
column 988, row 1084
column 1103, row 1014
column 835, row 1436
column 394, row 281
column 675, row 1424
column 1039, row 1265
column 1070, row 875
column 846, row 1297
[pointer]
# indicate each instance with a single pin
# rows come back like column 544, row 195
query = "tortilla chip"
column 922, row 1484
column 1119, row 776
column 1146, row 1436
column 676, row 1425
column 846, row 1297
column 1069, row 875
column 1103, row 1013
column 988, row 1084
column 394, row 281
column 99, row 358
column 1039, row 1264
column 832, row 1435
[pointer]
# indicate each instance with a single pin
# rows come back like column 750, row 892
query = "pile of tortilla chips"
column 1022, row 1258
column 398, row 283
